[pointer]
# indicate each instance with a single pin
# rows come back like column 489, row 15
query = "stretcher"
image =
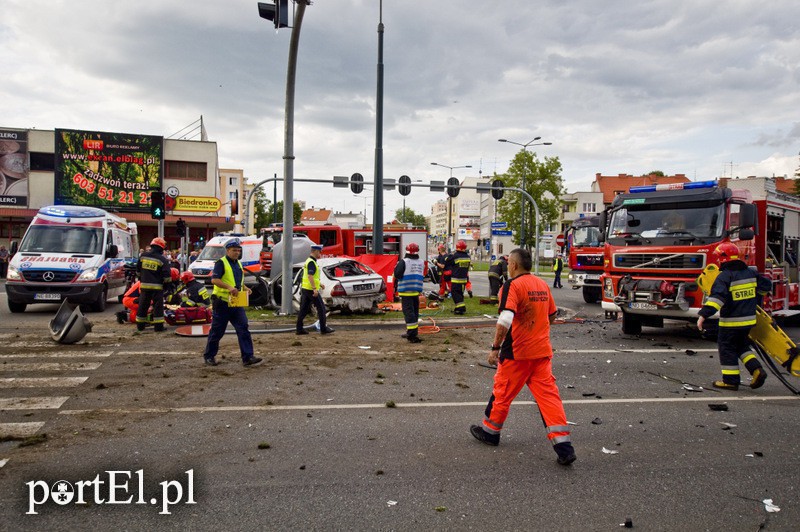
column 769, row 340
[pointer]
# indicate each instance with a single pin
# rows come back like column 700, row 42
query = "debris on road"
column 609, row 451
column 770, row 507
column 727, row 426
column 718, row 407
column 597, row 421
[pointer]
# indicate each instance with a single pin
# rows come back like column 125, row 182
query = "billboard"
column 13, row 168
column 114, row 171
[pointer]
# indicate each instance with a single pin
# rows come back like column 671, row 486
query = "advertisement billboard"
column 13, row 168
column 114, row 171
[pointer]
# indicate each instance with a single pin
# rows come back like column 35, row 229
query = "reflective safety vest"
column 153, row 270
column 228, row 278
column 460, row 273
column 735, row 295
column 411, row 283
column 306, row 285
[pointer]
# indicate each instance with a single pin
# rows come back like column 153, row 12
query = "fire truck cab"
column 585, row 257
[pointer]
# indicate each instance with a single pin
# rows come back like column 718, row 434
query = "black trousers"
column 734, row 345
column 557, row 280
column 458, row 297
column 307, row 299
column 410, row 306
column 146, row 297
column 494, row 287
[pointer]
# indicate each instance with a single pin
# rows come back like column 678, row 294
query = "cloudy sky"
column 700, row 87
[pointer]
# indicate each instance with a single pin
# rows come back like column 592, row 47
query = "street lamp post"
column 533, row 142
column 450, row 201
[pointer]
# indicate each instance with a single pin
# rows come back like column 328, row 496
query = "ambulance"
column 203, row 265
column 71, row 252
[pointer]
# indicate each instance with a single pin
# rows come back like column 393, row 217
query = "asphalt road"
column 336, row 457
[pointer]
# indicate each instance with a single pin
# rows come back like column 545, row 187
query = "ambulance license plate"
column 638, row 305
column 47, row 297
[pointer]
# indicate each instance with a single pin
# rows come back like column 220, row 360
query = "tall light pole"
column 533, row 142
column 377, row 214
column 450, row 201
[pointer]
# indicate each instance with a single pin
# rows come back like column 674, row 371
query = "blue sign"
column 501, row 233
column 487, row 245
column 499, row 225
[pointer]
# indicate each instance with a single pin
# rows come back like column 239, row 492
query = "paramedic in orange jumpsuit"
column 523, row 355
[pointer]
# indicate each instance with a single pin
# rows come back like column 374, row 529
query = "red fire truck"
column 338, row 241
column 585, row 257
column 659, row 238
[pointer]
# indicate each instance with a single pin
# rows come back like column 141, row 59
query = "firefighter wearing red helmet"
column 444, row 277
column 460, row 262
column 735, row 295
column 194, row 292
column 154, row 272
column 409, row 274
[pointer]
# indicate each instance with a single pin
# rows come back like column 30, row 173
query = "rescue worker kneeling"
column 735, row 294
column 498, row 274
column 409, row 274
column 194, row 305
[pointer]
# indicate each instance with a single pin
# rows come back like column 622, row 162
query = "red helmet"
column 186, row 277
column 175, row 274
column 442, row 247
column 160, row 242
column 726, row 252
column 461, row 245
column 413, row 248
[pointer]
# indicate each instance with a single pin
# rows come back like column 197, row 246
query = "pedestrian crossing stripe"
column 41, row 382
column 49, row 366
column 20, row 430
column 31, row 403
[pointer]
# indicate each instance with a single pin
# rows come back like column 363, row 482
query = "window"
column 185, row 170
column 233, row 181
column 590, row 207
column 42, row 162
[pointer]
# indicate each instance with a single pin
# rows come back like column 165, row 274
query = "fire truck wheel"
column 631, row 325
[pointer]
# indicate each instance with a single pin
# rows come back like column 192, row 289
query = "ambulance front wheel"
column 100, row 303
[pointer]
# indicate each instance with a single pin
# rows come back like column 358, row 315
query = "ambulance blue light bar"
column 673, row 186
column 72, row 211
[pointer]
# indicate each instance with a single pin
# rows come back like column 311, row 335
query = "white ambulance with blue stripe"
column 71, row 252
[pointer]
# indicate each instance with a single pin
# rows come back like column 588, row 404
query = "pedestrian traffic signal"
column 453, row 187
column 405, row 185
column 180, row 228
column 497, row 189
column 158, row 209
column 357, row 183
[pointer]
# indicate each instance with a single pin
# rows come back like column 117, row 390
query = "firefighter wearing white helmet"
column 409, row 274
column 154, row 272
column 735, row 294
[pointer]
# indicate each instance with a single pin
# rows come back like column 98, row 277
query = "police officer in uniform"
column 735, row 294
column 459, row 263
column 558, row 267
column 409, row 274
column 154, row 272
column 228, row 280
column 498, row 273
column 309, row 293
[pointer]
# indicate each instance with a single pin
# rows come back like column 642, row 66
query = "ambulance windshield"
column 211, row 253
column 63, row 239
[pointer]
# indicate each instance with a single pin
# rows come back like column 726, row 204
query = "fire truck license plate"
column 47, row 297
column 638, row 305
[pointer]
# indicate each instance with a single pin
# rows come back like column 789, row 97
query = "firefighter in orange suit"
column 735, row 294
column 523, row 355
column 459, row 262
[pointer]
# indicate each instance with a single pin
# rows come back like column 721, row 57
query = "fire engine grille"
column 660, row 261
column 590, row 260
column 48, row 276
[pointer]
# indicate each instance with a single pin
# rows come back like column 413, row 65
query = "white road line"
column 80, row 354
column 20, row 430
column 264, row 408
column 159, row 353
column 49, row 366
column 31, row 403
column 3, row 462
column 591, row 351
column 41, row 382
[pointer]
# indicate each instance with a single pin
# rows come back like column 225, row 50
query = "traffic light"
column 497, row 189
column 158, row 209
column 405, row 185
column 180, row 227
column 277, row 12
column 453, row 187
column 357, row 183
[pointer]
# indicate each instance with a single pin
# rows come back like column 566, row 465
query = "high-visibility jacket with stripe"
column 153, row 270
column 306, row 284
column 228, row 278
column 460, row 263
column 499, row 269
column 409, row 274
column 735, row 294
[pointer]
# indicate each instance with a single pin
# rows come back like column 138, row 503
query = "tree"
column 657, row 173
column 417, row 220
column 262, row 209
column 297, row 212
column 543, row 182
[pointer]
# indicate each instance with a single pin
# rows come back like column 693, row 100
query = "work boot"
column 122, row 316
column 158, row 327
column 722, row 385
column 210, row 361
column 759, row 376
column 481, row 435
column 301, row 332
column 404, row 336
column 326, row 330
column 252, row 361
column 565, row 452
column 469, row 292
column 140, row 326
column 414, row 339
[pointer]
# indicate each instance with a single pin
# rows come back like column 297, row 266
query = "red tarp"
column 384, row 266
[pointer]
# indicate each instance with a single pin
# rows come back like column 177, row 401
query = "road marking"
column 263, row 408
column 49, row 366
column 20, row 430
column 157, row 353
column 81, row 354
column 3, row 462
column 590, row 351
column 31, row 403
column 41, row 382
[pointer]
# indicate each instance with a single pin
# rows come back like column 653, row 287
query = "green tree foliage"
column 263, row 209
column 658, row 173
column 418, row 220
column 296, row 214
column 543, row 182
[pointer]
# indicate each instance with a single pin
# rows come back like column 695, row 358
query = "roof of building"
column 611, row 185
column 315, row 215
